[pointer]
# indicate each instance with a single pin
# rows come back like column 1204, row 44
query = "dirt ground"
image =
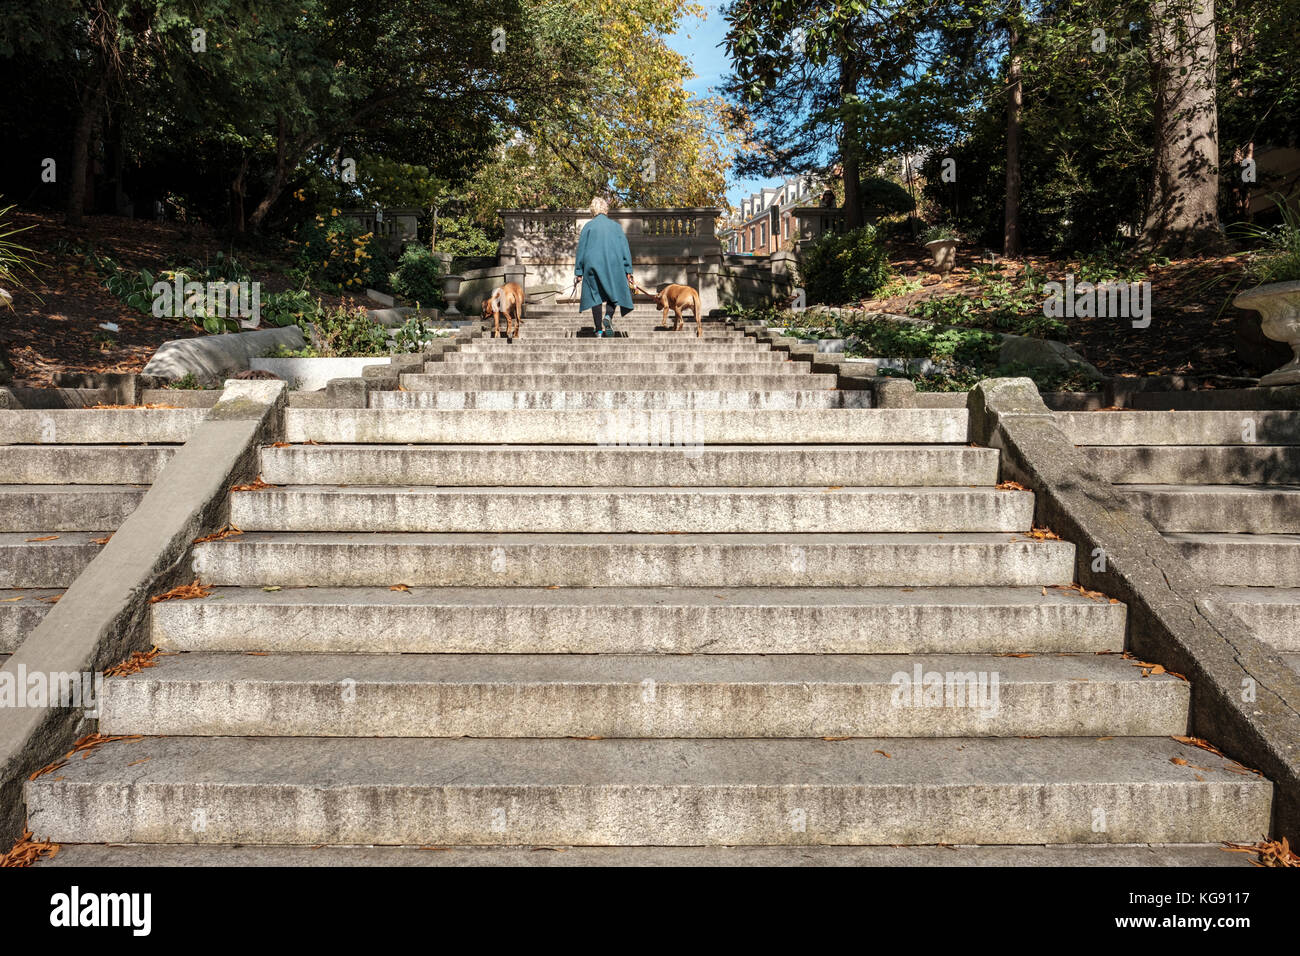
column 1191, row 333
column 55, row 326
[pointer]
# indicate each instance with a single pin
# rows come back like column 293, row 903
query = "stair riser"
column 647, row 708
column 484, row 564
column 622, row 400
column 629, row 427
column 81, row 465
column 507, row 359
column 598, row 382
column 630, row 467
column 642, row 629
column 17, row 620
column 1181, row 428
column 34, row 509
column 1244, row 564
column 689, row 370
column 78, row 426
column 46, row 565
column 634, row 511
column 1257, row 513
column 647, row 815
column 1207, row 465
column 1277, row 625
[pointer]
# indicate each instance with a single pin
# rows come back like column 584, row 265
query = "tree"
column 799, row 68
column 1183, row 213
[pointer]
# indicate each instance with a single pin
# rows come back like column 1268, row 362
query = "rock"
column 212, row 359
column 1042, row 353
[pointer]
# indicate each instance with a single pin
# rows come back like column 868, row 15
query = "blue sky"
column 700, row 41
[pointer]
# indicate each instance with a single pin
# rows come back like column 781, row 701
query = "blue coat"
column 604, row 261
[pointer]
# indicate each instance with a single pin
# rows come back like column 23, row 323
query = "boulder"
column 212, row 359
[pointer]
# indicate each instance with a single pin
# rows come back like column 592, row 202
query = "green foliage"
column 345, row 333
column 339, row 254
column 844, row 267
column 884, row 197
column 1001, row 303
column 462, row 237
column 16, row 260
column 1277, row 258
column 288, row 307
column 186, row 381
column 418, row 277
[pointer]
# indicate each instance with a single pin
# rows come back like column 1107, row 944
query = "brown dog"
column 677, row 298
column 507, row 300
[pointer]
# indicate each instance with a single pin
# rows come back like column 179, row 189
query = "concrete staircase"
column 654, row 626
column 68, row 478
column 1224, row 486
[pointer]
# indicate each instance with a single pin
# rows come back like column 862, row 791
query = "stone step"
column 1241, row 560
column 506, row 358
column 631, row 510
column 634, row 560
column 611, row 620
column 627, row 427
column 83, row 464
column 777, row 398
column 1182, row 428
column 529, row 336
column 1198, row 464
column 1254, row 509
column 688, row 370
column 1273, row 613
column 53, row 563
column 571, row 345
column 50, row 508
column 1070, row 854
column 98, row 426
column 636, row 466
column 20, row 612
column 596, row 382
column 639, row 696
column 421, row 791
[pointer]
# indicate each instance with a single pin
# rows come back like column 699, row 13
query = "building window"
column 785, row 227
column 763, row 233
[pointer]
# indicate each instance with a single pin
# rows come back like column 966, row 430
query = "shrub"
column 884, row 197
column 343, row 332
column 844, row 267
column 1278, row 258
column 336, row 250
column 418, row 277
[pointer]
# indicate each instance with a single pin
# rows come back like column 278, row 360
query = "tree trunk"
column 278, row 178
column 1183, row 213
column 92, row 102
column 849, row 161
column 1015, row 102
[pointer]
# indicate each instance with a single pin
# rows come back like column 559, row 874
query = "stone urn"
column 944, row 254
column 1278, row 304
column 451, row 292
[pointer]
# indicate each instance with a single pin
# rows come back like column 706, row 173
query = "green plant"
column 1278, row 258
column 844, row 267
column 288, row 307
column 936, row 233
column 17, row 262
column 186, row 381
column 884, row 197
column 418, row 276
column 345, row 332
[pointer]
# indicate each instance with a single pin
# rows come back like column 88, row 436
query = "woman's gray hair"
column 599, row 206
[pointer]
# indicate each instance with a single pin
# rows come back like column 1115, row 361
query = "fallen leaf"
column 1010, row 486
column 48, row 537
column 135, row 663
column 183, row 592
column 882, row 753
column 400, row 587
column 225, row 532
column 103, row 540
column 273, row 587
column 256, row 485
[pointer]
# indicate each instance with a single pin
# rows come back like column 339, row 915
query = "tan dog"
column 677, row 298
column 507, row 300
